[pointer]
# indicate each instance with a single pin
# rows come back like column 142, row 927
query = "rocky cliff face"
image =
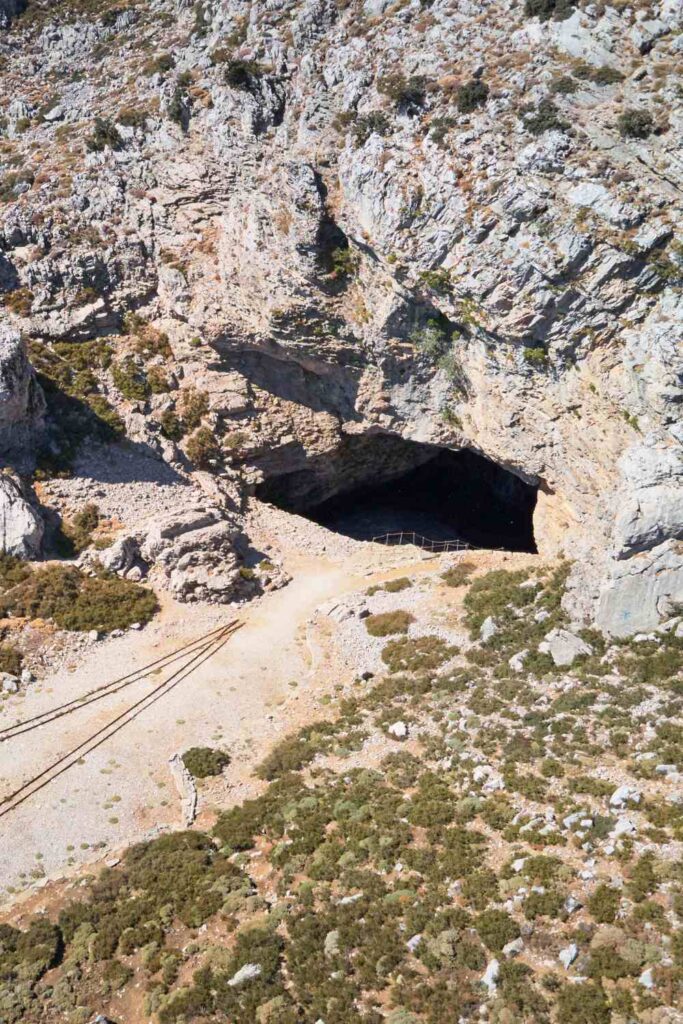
column 302, row 221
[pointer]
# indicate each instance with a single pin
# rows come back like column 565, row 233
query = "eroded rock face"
column 21, row 527
column 21, row 399
column 506, row 279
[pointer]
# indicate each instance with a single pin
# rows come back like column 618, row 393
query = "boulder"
column 9, row 683
column 488, row 628
column 246, row 973
column 563, row 646
column 21, row 527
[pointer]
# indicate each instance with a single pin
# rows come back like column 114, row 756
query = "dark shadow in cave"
column 438, row 493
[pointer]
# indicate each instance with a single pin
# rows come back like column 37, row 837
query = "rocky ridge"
column 297, row 223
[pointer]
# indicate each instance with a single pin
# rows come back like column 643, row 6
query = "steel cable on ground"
column 29, row 788
column 107, row 689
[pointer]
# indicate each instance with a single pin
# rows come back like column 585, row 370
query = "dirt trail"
column 257, row 687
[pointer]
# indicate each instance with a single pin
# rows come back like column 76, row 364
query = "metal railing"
column 406, row 537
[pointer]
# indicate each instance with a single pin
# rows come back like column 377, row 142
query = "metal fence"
column 405, row 537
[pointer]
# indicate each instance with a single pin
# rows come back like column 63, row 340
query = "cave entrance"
column 373, row 485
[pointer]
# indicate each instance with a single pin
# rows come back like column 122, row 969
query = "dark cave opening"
column 378, row 484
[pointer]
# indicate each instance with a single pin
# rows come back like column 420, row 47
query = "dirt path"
column 260, row 685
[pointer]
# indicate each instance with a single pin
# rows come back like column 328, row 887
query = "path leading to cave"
column 268, row 679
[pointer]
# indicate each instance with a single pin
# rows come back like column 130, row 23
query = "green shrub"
column 545, row 9
column 78, row 530
column 635, row 124
column 105, row 134
column 171, row 425
column 374, row 123
column 76, row 602
column 583, row 1003
column 193, row 406
column 496, row 928
column 458, row 575
column 417, row 655
column 405, row 92
column 472, row 95
column 10, row 659
column 203, row 762
column 536, row 357
column 604, row 904
column 544, row 118
column 439, row 280
column 396, row 586
column 202, row 448
column 388, row 623
column 243, row 74
column 130, row 380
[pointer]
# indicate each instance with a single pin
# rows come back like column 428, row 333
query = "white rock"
column 246, row 973
column 623, row 795
column 488, row 628
column 491, row 975
column 646, row 979
column 516, row 662
column 563, row 646
column 399, row 730
column 568, row 955
column 10, row 683
column 414, row 942
column 513, row 948
column 623, row 827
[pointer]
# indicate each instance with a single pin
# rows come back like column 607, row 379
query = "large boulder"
column 642, row 591
column 21, row 528
column 22, row 403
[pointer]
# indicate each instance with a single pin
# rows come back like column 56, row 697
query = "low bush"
column 635, row 124
column 130, row 380
column 243, row 74
column 105, row 135
column 545, row 9
column 418, row 655
column 604, row 904
column 404, row 92
column 496, row 928
column 203, row 762
column 10, row 659
column 458, row 575
column 544, row 118
column 584, row 1003
column 78, row 530
column 77, row 602
column 374, row 123
column 388, row 623
column 472, row 95
column 202, row 448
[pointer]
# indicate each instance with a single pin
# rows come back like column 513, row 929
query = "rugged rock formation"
column 456, row 229
column 21, row 528
column 21, row 400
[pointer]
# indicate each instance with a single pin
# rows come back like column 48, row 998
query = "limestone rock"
column 488, row 629
column 246, row 973
column 641, row 591
column 22, row 403
column 21, row 528
column 563, row 647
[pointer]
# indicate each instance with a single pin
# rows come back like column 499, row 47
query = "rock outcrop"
column 460, row 231
column 22, row 404
column 21, row 527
